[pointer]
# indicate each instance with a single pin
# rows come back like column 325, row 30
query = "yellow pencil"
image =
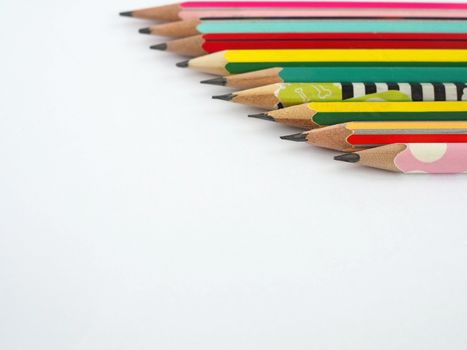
column 240, row 61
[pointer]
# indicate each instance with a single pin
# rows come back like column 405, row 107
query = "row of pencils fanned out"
column 384, row 82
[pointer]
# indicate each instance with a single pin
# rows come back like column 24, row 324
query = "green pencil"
column 341, row 74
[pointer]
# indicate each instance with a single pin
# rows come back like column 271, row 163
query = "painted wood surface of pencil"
column 218, row 26
column 193, row 9
column 429, row 158
column 241, row 61
column 319, row 114
column 277, row 96
column 199, row 45
column 340, row 74
column 353, row 136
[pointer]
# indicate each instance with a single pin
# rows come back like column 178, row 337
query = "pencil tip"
column 300, row 137
column 161, row 47
column 183, row 64
column 226, row 97
column 263, row 116
column 145, row 30
column 348, row 157
column 215, row 81
column 126, row 14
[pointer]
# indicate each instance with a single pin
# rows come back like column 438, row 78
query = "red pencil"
column 208, row 43
column 326, row 36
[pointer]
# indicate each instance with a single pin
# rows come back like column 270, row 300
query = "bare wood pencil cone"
column 180, row 29
column 379, row 157
column 248, row 80
column 332, row 137
column 162, row 13
column 300, row 116
column 190, row 47
column 211, row 64
column 262, row 97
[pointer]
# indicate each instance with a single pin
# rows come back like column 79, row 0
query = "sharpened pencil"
column 161, row 13
column 354, row 136
column 241, row 61
column 276, row 96
column 429, row 158
column 298, row 25
column 180, row 29
column 198, row 45
column 191, row 46
column 340, row 74
column 200, row 9
column 319, row 114
column 203, row 9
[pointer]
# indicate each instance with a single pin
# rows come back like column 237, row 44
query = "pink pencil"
column 323, row 4
column 197, row 13
column 245, row 9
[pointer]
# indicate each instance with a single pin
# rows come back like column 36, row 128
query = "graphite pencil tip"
column 145, row 30
column 348, row 157
column 216, row 81
column 226, row 97
column 161, row 47
column 126, row 14
column 300, row 137
column 263, row 116
column 183, row 64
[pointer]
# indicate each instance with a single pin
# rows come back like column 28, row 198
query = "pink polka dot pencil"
column 430, row 158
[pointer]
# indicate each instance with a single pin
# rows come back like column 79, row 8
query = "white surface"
column 136, row 213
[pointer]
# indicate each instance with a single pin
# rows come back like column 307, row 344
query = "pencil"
column 354, row 136
column 162, row 13
column 340, row 74
column 179, row 29
column 282, row 95
column 222, row 26
column 200, row 9
column 319, row 114
column 198, row 45
column 241, row 61
column 429, row 158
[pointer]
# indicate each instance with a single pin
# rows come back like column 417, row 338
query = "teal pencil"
column 223, row 26
column 332, row 26
column 341, row 75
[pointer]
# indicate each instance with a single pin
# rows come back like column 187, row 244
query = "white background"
column 137, row 213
